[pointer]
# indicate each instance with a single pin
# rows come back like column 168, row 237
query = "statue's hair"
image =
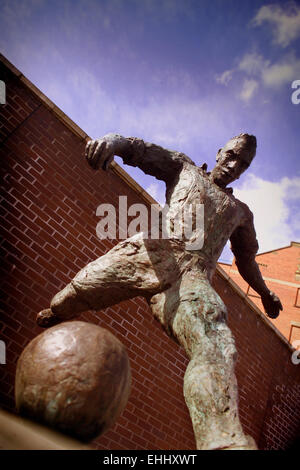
column 245, row 146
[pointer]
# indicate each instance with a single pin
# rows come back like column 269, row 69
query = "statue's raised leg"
column 134, row 267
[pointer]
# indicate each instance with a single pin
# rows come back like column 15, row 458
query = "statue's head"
column 233, row 159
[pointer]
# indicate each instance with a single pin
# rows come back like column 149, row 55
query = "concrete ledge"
column 10, row 66
column 277, row 281
column 17, row 433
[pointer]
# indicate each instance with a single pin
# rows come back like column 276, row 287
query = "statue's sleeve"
column 244, row 244
column 154, row 160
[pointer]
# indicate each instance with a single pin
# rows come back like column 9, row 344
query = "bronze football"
column 74, row 377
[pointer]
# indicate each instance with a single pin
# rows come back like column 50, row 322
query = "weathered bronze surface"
column 176, row 281
column 74, row 377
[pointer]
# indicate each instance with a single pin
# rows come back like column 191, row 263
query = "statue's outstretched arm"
column 150, row 158
column 244, row 246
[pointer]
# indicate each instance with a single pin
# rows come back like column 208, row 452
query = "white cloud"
column 284, row 21
column 255, row 68
column 225, row 77
column 275, row 206
column 259, row 70
column 249, row 88
column 253, row 63
column 281, row 73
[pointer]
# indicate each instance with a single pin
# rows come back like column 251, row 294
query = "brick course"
column 48, row 211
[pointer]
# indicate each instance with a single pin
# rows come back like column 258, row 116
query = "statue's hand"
column 271, row 304
column 100, row 152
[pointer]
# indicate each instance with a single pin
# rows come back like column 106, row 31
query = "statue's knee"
column 215, row 312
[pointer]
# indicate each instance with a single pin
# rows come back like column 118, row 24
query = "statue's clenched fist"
column 272, row 304
column 100, row 152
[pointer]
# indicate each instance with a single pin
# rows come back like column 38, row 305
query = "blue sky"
column 185, row 74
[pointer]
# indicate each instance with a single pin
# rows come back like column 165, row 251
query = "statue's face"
column 233, row 159
column 229, row 167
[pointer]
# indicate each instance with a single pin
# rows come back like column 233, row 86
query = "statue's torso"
column 222, row 212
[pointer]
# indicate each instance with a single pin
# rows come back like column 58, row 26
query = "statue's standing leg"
column 195, row 315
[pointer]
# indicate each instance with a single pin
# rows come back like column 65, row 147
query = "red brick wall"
column 281, row 265
column 48, row 205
